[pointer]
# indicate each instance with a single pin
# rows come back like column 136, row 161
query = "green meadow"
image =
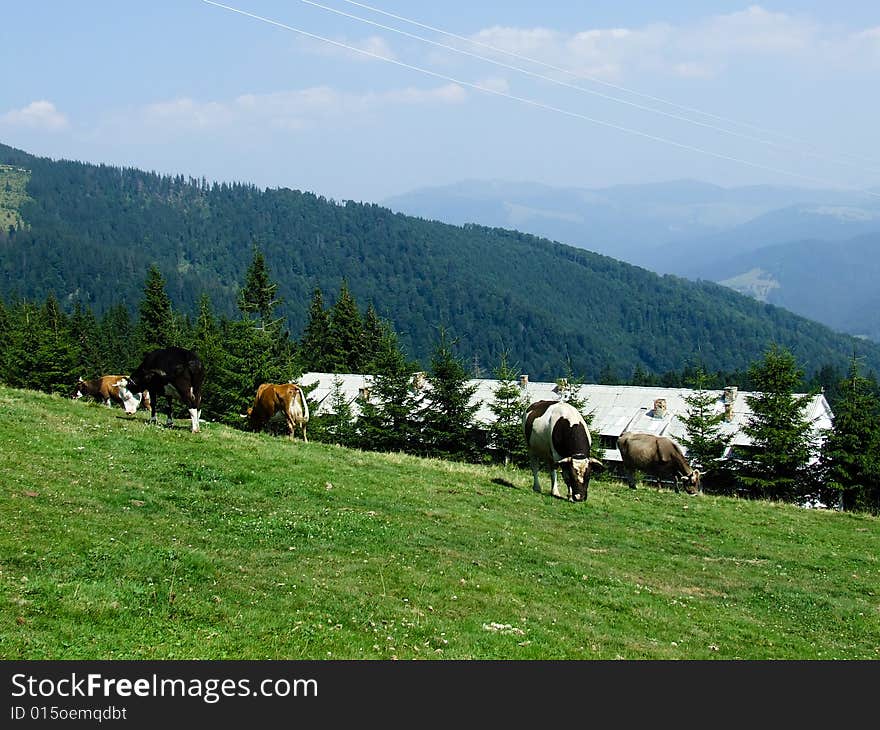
column 123, row 540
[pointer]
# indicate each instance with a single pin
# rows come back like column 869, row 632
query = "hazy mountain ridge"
column 694, row 230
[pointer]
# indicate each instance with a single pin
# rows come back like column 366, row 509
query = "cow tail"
column 304, row 401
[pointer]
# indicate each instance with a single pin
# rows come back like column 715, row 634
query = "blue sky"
column 189, row 87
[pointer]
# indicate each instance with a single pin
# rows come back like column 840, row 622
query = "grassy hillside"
column 125, row 540
column 13, row 183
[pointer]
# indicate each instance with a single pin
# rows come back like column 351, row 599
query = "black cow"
column 171, row 371
column 557, row 437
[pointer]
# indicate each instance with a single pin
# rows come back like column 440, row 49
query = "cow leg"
column 536, row 485
column 631, row 479
column 554, row 483
column 108, row 403
column 170, row 420
column 303, row 427
column 675, row 483
column 154, row 406
column 195, row 414
column 291, row 426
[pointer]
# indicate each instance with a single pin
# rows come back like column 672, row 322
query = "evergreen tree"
column 338, row 426
column 155, row 328
column 86, row 336
column 706, row 440
column 851, row 452
column 509, row 403
column 117, row 338
column 345, row 347
column 258, row 299
column 782, row 439
column 388, row 420
column 219, row 397
column 448, row 414
column 376, row 332
column 316, row 336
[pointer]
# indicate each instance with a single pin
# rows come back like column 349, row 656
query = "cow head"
column 79, row 388
column 576, row 471
column 130, row 400
column 692, row 482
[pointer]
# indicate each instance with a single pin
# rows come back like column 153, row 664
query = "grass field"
column 122, row 540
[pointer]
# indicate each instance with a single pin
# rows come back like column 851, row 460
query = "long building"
column 614, row 408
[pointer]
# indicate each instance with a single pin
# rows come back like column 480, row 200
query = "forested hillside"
column 90, row 233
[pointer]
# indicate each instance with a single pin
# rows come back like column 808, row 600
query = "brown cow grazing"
column 107, row 390
column 286, row 398
column 657, row 456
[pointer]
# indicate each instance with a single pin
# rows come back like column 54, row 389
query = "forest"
column 86, row 234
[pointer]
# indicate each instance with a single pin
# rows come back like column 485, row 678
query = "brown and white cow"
column 110, row 389
column 557, row 437
column 286, row 398
column 657, row 456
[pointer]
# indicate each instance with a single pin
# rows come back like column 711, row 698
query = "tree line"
column 44, row 347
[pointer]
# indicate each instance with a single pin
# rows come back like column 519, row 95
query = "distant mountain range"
column 89, row 233
column 700, row 231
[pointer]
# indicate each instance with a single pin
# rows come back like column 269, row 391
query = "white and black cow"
column 172, row 372
column 557, row 437
column 657, row 456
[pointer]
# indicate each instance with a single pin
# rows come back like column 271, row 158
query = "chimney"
column 419, row 380
column 364, row 393
column 729, row 399
column 523, row 381
column 659, row 408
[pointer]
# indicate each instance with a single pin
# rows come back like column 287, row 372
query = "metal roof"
column 615, row 408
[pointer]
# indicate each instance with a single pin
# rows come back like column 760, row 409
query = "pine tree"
column 782, row 439
column 155, row 328
column 851, row 452
column 217, row 400
column 376, row 332
column 338, row 426
column 345, row 347
column 705, row 440
column 388, row 420
column 316, row 336
column 448, row 413
column 117, row 336
column 257, row 299
column 86, row 335
column 509, row 403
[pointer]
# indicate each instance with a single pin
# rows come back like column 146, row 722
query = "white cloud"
column 39, row 115
column 286, row 110
column 701, row 49
column 370, row 47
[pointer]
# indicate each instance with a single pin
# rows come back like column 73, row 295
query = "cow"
column 286, row 398
column 172, row 372
column 107, row 390
column 557, row 437
column 657, row 456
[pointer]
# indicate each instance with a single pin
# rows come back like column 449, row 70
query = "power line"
column 836, row 159
column 534, row 103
